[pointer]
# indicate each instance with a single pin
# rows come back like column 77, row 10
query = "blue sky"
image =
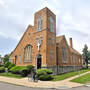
column 73, row 20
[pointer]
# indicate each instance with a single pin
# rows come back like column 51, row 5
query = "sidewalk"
column 43, row 84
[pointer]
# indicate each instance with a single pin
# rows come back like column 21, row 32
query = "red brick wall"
column 45, row 47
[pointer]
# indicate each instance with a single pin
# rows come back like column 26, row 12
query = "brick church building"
column 40, row 47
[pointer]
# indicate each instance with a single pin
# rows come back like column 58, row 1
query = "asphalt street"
column 6, row 86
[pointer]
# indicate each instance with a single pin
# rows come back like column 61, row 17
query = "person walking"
column 34, row 75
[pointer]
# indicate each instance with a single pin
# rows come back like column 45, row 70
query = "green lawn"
column 68, row 75
column 83, row 79
column 11, row 75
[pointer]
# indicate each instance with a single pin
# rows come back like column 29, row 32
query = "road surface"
column 6, row 86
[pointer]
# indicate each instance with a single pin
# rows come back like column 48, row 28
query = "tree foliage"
column 86, row 55
column 6, row 58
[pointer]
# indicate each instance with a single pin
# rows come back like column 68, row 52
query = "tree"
column 85, row 55
column 6, row 58
column 89, row 56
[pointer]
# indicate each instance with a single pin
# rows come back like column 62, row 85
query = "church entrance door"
column 39, row 61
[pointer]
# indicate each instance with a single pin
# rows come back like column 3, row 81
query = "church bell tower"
column 45, row 36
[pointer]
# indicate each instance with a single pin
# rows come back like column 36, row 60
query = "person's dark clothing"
column 34, row 76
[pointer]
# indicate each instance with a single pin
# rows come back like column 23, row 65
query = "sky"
column 72, row 20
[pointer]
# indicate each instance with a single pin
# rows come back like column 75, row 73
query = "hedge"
column 45, row 77
column 6, row 65
column 1, row 65
column 17, row 69
column 44, row 74
column 22, row 70
column 30, row 67
column 27, row 70
column 2, row 69
column 11, row 65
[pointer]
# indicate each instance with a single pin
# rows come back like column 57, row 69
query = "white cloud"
column 73, row 18
column 2, row 2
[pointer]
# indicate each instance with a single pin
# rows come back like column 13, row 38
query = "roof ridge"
column 74, row 50
column 21, row 38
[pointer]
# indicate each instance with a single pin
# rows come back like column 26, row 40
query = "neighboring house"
column 40, row 47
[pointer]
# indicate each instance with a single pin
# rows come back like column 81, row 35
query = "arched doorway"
column 38, row 61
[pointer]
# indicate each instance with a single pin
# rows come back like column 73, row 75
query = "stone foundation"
column 63, row 69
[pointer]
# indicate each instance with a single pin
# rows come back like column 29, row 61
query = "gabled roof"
column 60, row 38
column 74, row 51
column 21, row 38
column 47, row 9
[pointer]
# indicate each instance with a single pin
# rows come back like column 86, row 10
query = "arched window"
column 51, row 24
column 19, row 59
column 41, row 39
column 39, row 24
column 28, row 53
column 52, row 55
column 64, row 55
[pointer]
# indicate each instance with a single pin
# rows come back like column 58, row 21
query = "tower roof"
column 47, row 9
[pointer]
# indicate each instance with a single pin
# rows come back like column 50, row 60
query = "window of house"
column 64, row 55
column 28, row 53
column 74, row 59
column 51, row 41
column 39, row 24
column 13, row 60
column 77, row 60
column 19, row 59
column 71, row 58
column 10, row 60
column 41, row 40
column 51, row 24
column 51, row 55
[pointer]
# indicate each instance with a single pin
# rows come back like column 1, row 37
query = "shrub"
column 22, row 70
column 45, row 77
column 17, row 69
column 1, row 65
column 27, row 70
column 14, row 70
column 30, row 67
column 2, row 69
column 11, row 65
column 6, row 65
column 44, row 74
